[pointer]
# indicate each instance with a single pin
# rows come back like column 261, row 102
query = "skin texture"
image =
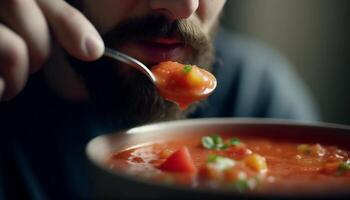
column 81, row 32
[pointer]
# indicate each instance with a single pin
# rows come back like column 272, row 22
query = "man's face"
column 108, row 14
column 151, row 31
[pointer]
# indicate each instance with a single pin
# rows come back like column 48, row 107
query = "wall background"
column 314, row 35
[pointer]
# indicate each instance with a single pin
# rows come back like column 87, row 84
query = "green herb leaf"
column 304, row 149
column 343, row 167
column 240, row 185
column 213, row 158
column 208, row 142
column 187, row 69
column 222, row 146
column 235, row 141
column 217, row 140
column 214, row 142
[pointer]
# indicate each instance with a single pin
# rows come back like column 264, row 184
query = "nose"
column 175, row 9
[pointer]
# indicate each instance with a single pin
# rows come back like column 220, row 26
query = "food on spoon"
column 183, row 84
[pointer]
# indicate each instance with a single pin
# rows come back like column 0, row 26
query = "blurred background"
column 314, row 35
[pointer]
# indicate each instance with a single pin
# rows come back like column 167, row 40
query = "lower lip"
column 156, row 52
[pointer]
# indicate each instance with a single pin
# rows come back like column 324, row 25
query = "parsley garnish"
column 213, row 142
column 187, row 69
column 240, row 185
column 343, row 167
column 235, row 141
column 208, row 142
column 304, row 149
column 217, row 139
column 213, row 158
column 216, row 142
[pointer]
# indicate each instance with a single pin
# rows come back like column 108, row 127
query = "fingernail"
column 93, row 46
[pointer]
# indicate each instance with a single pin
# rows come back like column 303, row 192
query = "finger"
column 27, row 20
column 72, row 30
column 13, row 62
column 2, row 87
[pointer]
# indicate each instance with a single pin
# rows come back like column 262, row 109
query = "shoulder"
column 255, row 80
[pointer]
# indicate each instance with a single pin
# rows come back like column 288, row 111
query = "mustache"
column 156, row 26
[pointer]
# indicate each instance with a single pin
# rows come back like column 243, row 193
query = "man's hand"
column 25, row 38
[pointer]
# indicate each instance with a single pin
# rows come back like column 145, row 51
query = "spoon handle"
column 130, row 61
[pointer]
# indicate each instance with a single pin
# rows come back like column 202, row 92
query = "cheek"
column 209, row 12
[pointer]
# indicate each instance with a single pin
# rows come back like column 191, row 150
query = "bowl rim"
column 231, row 120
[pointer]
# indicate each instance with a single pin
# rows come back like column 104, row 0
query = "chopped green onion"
column 222, row 146
column 235, row 141
column 213, row 158
column 220, row 163
column 187, row 68
column 217, row 139
column 304, row 149
column 208, row 142
column 216, row 142
column 241, row 185
column 257, row 178
column 343, row 167
column 213, row 142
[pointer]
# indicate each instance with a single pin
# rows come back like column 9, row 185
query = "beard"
column 122, row 92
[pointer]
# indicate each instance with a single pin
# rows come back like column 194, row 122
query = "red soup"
column 243, row 163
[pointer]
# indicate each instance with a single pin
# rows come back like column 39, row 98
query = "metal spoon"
column 130, row 61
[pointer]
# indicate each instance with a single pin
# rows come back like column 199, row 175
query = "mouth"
column 157, row 50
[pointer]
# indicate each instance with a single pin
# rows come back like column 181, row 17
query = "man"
column 45, row 122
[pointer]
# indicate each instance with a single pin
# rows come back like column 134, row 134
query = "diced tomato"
column 179, row 161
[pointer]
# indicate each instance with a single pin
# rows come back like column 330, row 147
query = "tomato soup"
column 240, row 163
